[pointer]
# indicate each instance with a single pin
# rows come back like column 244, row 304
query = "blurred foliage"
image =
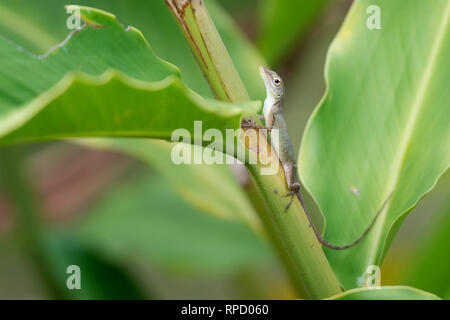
column 386, row 293
column 51, row 255
column 236, row 6
column 198, row 184
column 283, row 22
column 143, row 217
column 428, row 265
column 305, row 83
column 416, row 242
column 100, row 277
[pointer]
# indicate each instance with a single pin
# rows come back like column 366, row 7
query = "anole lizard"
column 274, row 119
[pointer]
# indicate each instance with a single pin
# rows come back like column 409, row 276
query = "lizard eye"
column 276, row 81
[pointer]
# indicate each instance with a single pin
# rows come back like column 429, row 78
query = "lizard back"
column 282, row 144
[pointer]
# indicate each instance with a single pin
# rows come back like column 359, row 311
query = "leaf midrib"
column 405, row 142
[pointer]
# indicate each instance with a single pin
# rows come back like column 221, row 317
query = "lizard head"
column 273, row 82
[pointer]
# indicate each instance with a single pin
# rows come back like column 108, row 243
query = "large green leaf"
column 144, row 218
column 39, row 25
column 382, row 127
column 386, row 293
column 282, row 24
column 105, row 81
column 47, row 20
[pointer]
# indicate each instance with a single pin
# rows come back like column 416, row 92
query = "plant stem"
column 313, row 274
column 209, row 50
column 258, row 202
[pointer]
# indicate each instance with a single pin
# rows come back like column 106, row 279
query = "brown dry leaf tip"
column 178, row 7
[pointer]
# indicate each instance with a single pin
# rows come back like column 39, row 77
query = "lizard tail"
column 332, row 246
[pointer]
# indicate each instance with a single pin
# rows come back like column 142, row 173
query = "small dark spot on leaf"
column 97, row 26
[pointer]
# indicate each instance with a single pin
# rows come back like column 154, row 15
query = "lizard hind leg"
column 295, row 189
column 292, row 183
column 292, row 195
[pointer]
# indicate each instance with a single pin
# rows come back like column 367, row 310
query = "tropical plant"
column 380, row 131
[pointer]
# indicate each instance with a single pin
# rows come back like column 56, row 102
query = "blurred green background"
column 129, row 225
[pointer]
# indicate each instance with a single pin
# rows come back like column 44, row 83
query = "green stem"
column 313, row 274
column 209, row 50
column 258, row 202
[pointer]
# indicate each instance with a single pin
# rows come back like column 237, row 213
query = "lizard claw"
column 290, row 194
column 249, row 123
column 295, row 188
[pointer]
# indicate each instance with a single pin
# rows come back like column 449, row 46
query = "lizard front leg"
column 249, row 123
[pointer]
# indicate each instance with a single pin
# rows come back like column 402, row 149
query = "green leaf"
column 381, row 129
column 39, row 25
column 386, row 293
column 283, row 23
column 81, row 89
column 211, row 188
column 225, row 198
column 145, row 218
